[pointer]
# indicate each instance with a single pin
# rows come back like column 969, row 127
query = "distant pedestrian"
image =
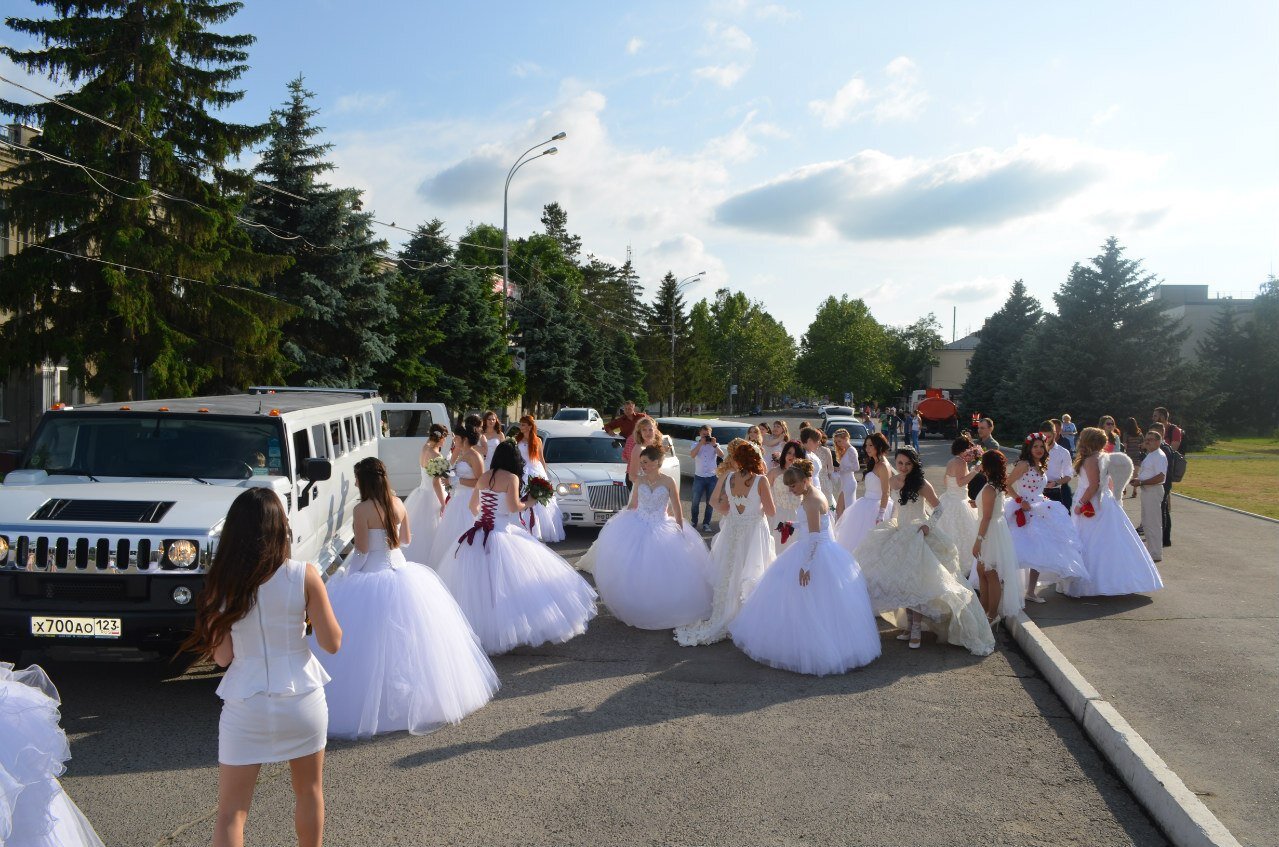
column 1132, row 438
column 1166, row 430
column 624, row 425
column 908, row 427
column 706, row 454
column 890, row 425
column 1150, row 486
column 986, row 441
column 1111, row 430
column 1068, row 433
column 916, row 428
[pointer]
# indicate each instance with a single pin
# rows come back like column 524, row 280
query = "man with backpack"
column 1173, row 436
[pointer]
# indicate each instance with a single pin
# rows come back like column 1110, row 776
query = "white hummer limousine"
column 110, row 515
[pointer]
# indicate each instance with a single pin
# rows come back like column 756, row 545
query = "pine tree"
column 998, row 345
column 177, row 290
column 555, row 219
column 667, row 321
column 338, row 282
column 1227, row 354
column 548, row 318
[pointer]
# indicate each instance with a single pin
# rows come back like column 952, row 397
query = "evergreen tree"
column 548, row 318
column 555, row 219
column 1227, row 354
column 998, row 345
column 471, row 354
column 411, row 370
column 1263, row 352
column 845, row 350
column 337, row 278
column 192, row 315
column 667, row 320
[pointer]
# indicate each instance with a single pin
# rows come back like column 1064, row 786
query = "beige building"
column 953, row 359
column 1191, row 305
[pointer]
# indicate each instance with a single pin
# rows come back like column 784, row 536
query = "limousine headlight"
column 568, row 488
column 4, row 547
column 181, row 553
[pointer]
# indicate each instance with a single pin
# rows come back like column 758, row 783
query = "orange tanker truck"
column 938, row 412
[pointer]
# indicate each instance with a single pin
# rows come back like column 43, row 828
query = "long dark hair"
column 506, row 457
column 255, row 542
column 914, row 480
column 995, row 467
column 880, row 442
column 790, row 447
column 1027, row 454
column 960, row 444
column 370, row 479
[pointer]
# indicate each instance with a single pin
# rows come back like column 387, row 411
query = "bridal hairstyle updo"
column 914, row 480
column 727, row 465
column 790, row 448
column 995, row 467
column 1028, row 451
column 960, row 445
column 506, row 457
column 800, row 470
column 254, row 543
column 747, row 458
column 1091, row 441
column 653, row 454
column 437, row 433
column 370, row 479
column 469, row 430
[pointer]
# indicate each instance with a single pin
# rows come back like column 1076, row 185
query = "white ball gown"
column 35, row 811
column 1000, row 555
column 859, row 519
column 1048, row 541
column 548, row 522
column 650, row 571
column 906, row 569
column 409, row 659
column 513, row 588
column 740, row 553
column 825, row 627
column 425, row 514
column 1117, row 560
column 457, row 517
column 957, row 520
column 787, row 509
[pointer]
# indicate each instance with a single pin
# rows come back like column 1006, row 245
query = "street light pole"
column 683, row 282
column 506, row 237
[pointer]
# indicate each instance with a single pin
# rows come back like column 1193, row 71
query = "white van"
column 684, row 433
column 109, row 517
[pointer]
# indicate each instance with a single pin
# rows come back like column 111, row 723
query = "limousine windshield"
column 569, row 450
column 138, row 444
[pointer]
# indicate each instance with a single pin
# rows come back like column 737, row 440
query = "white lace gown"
column 1117, row 559
column 35, row 811
column 999, row 555
column 513, row 588
column 651, row 572
column 957, row 520
column 787, row 508
column 825, row 627
column 859, row 519
column 1048, row 542
column 409, row 658
column 740, row 554
column 906, row 569
column 425, row 513
column 456, row 519
column 548, row 522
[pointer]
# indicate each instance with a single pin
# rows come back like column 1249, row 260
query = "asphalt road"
column 622, row 737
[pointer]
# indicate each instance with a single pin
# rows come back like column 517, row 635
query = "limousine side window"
column 368, row 421
column 359, row 428
column 321, row 441
column 406, row 423
column 301, row 451
column 335, row 430
column 351, row 443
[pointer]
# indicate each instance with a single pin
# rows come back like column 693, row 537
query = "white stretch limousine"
column 109, row 517
column 683, row 432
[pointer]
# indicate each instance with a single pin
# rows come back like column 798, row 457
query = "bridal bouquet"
column 438, row 467
column 540, row 490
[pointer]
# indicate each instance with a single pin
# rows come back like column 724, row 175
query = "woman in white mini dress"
column 251, row 616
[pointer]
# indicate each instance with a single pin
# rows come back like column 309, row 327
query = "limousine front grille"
column 608, row 497
column 62, row 554
column 110, row 511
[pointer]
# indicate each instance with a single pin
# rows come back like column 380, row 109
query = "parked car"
column 589, row 475
column 857, row 433
column 683, row 433
column 587, row 418
column 836, row 412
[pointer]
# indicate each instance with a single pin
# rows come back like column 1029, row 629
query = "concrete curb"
column 1227, row 508
column 1178, row 812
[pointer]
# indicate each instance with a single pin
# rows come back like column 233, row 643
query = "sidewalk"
column 1195, row 667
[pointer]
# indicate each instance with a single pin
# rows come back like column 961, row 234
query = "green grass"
column 1239, row 472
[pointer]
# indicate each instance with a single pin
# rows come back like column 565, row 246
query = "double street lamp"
column 524, row 159
column 678, row 286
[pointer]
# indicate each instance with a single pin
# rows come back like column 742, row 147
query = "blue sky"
column 921, row 155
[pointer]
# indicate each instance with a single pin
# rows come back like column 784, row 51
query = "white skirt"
column 858, row 520
column 1117, row 560
column 740, row 554
column 457, row 519
column 264, row 728
column 651, row 573
column 424, row 514
column 1048, row 543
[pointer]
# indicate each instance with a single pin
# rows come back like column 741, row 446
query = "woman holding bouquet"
column 514, row 589
column 425, row 504
column 466, row 463
column 1045, row 541
column 1117, row 560
column 544, row 520
column 651, row 569
column 786, row 503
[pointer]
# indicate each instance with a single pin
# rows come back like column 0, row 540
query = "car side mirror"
column 318, row 470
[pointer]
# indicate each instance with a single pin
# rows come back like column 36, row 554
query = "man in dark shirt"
column 985, row 440
column 1167, row 449
column 625, row 424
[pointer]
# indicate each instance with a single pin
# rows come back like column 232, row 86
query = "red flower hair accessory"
column 1035, row 436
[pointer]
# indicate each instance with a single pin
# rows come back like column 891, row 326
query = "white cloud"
column 725, row 76
column 1105, row 115
column 363, row 101
column 973, row 290
column 733, row 53
column 739, row 145
column 899, row 99
column 728, row 37
column 526, row 68
column 634, row 45
column 776, row 12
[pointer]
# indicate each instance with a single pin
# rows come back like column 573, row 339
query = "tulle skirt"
column 34, row 809
column 825, row 627
column 652, row 573
column 1117, row 560
column 959, row 522
column 457, row 519
column 906, row 569
column 1000, row 556
column 740, row 554
column 1048, row 542
column 515, row 590
column 783, row 515
column 409, row 659
column 424, row 509
column 858, row 520
column 548, row 523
